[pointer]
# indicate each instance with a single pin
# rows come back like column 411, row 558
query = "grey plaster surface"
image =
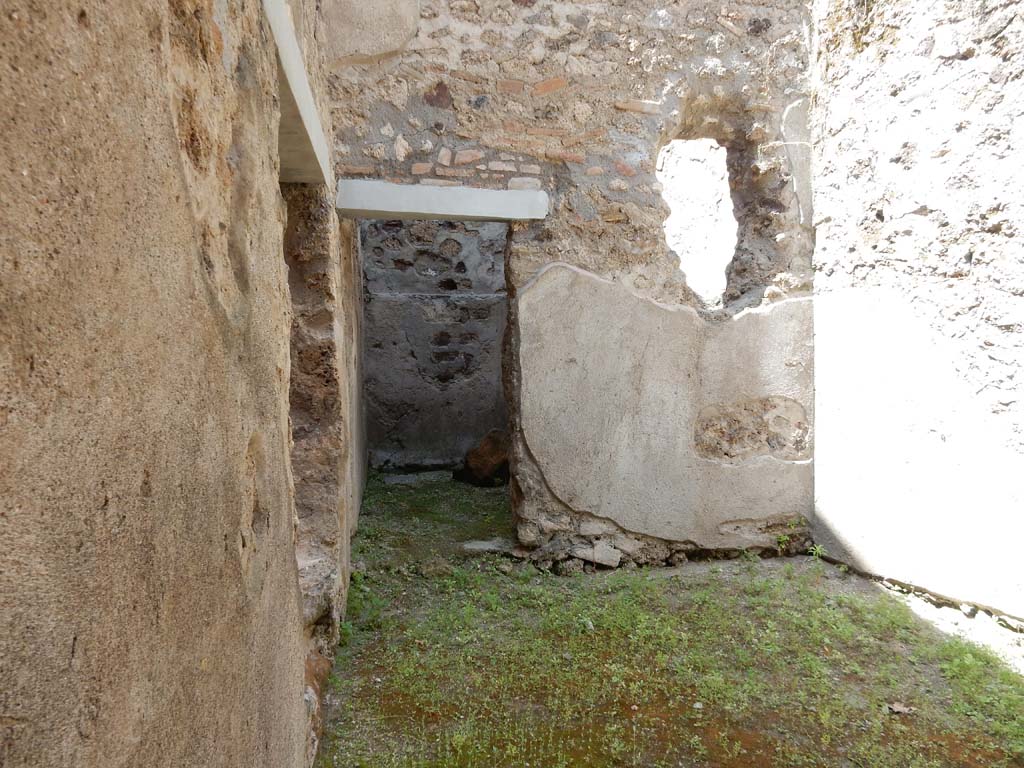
column 615, row 392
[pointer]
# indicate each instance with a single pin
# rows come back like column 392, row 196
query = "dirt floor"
column 452, row 659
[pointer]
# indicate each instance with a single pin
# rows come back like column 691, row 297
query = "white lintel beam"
column 303, row 148
column 367, row 199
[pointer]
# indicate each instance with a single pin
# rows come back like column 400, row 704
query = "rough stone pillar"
column 327, row 446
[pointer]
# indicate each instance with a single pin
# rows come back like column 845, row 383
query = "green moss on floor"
column 452, row 660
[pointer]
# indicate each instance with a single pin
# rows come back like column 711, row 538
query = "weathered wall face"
column 919, row 305
column 328, row 446
column 577, row 100
column 436, row 309
column 152, row 613
column 665, row 417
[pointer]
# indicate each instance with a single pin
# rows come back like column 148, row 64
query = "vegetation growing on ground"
column 453, row 660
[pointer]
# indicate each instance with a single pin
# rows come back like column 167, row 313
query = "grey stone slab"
column 367, row 199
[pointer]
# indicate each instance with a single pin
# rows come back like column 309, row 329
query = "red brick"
column 551, row 85
column 466, row 156
column 469, row 77
column 572, row 141
column 511, row 86
column 625, row 169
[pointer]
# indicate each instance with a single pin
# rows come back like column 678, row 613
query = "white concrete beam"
column 303, row 148
column 365, row 199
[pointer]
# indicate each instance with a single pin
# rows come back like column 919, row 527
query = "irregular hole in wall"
column 702, row 228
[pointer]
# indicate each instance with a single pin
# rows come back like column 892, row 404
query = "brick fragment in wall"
column 461, row 173
column 565, row 157
column 594, row 170
column 637, row 105
column 625, row 169
column 501, row 166
column 534, row 147
column 590, row 137
column 539, row 130
column 418, row 169
column 356, row 170
column 444, row 156
column 530, row 169
column 511, row 87
column 524, row 182
column 551, row 85
column 469, row 77
column 466, row 156
column 439, row 96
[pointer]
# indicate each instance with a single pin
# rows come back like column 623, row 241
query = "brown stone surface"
column 325, row 397
column 148, row 581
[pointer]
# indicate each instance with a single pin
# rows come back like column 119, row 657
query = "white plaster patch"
column 611, row 394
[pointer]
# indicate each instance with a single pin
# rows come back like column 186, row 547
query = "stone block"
column 467, row 156
column 549, row 86
column 524, row 182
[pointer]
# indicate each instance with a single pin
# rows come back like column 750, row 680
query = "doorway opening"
column 435, row 314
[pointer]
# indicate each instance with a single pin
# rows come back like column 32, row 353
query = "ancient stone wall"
column 435, row 321
column 577, row 100
column 325, row 396
column 149, row 588
column 919, row 305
